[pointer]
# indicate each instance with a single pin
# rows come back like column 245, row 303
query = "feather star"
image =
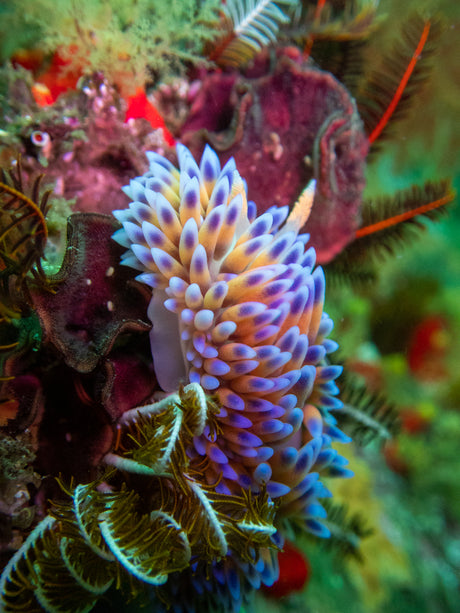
column 237, row 306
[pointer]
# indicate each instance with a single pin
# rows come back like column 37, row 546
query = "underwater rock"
column 84, row 385
column 114, row 385
column 18, row 481
column 283, row 125
column 25, row 406
column 75, row 431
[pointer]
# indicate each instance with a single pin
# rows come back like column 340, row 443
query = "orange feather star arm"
column 402, row 85
column 400, row 218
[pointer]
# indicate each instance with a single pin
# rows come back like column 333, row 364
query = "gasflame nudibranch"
column 237, row 306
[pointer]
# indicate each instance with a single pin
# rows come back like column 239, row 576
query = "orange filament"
column 118, row 438
column 9, row 346
column 319, row 9
column 311, row 39
column 82, row 393
column 307, row 48
column 402, row 85
column 392, row 221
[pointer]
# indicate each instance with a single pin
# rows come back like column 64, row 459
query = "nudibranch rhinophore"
column 237, row 306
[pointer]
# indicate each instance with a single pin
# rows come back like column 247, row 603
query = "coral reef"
column 237, row 311
column 165, row 440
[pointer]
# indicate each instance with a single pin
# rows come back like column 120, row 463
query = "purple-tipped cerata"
column 237, row 306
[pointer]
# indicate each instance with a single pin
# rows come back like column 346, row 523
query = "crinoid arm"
column 117, row 535
column 387, row 224
column 249, row 26
column 23, row 235
column 387, row 94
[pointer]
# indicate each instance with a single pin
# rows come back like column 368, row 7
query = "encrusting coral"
column 286, row 122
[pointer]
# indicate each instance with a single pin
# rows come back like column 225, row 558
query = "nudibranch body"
column 237, row 306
